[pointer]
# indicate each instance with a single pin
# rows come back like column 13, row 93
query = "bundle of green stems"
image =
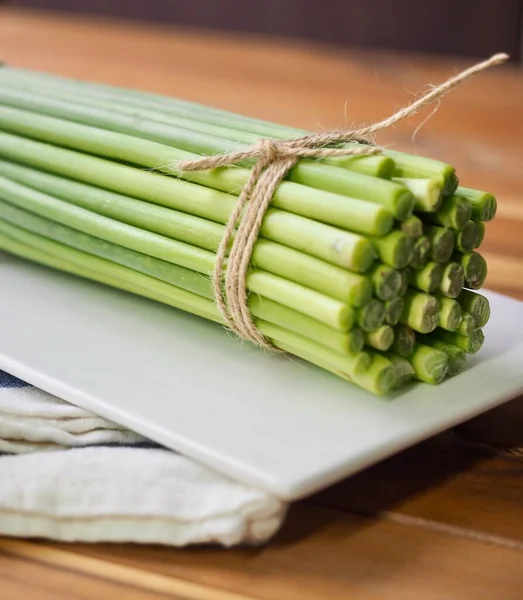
column 364, row 266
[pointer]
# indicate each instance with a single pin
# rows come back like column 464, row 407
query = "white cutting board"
column 277, row 423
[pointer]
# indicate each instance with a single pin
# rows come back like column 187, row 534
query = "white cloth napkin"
column 70, row 475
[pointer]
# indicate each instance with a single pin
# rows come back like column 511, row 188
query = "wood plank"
column 19, row 589
column 446, row 481
column 322, row 554
column 382, row 23
column 58, row 583
column 501, row 427
column 65, row 572
column 503, row 236
column 504, row 272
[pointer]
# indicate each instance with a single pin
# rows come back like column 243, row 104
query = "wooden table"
column 442, row 520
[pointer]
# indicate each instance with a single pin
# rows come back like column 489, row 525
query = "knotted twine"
column 273, row 160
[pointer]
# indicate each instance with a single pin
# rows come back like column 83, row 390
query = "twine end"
column 498, row 58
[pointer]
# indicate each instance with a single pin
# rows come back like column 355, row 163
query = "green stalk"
column 404, row 340
column 412, row 226
column 455, row 212
column 349, row 366
column 108, row 116
column 442, row 242
column 420, row 311
column 26, row 227
column 428, row 279
column 430, row 365
column 105, row 272
column 474, row 267
column 68, row 93
column 386, row 281
column 411, row 166
column 326, row 310
column 477, row 305
column 275, row 258
column 333, row 281
column 381, row 338
column 128, row 236
column 394, row 310
column 371, row 316
column 427, row 192
column 467, row 238
column 394, row 249
column 19, row 224
column 470, row 344
column 186, row 114
column 395, row 199
column 321, row 176
column 403, row 370
column 468, row 325
column 450, row 315
column 165, row 109
column 157, row 219
column 345, row 343
column 310, row 173
column 421, row 252
column 481, row 233
column 406, row 275
column 333, row 245
column 350, row 213
column 456, row 357
column 378, row 378
column 484, row 205
column 452, row 280
column 355, row 341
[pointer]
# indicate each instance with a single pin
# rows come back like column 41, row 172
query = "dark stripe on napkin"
column 10, row 381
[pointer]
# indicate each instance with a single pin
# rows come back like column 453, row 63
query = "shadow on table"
column 404, row 478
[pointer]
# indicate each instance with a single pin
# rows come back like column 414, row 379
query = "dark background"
column 474, row 28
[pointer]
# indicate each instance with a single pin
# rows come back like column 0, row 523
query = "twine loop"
column 269, row 150
column 272, row 161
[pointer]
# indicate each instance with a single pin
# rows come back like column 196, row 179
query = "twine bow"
column 273, row 160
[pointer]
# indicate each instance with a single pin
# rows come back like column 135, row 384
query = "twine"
column 273, row 160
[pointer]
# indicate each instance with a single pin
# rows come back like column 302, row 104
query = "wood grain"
column 501, row 427
column 101, row 577
column 322, row 554
column 447, row 480
column 380, row 24
column 325, row 550
column 57, row 581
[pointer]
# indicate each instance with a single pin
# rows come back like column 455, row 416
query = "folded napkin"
column 69, row 475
